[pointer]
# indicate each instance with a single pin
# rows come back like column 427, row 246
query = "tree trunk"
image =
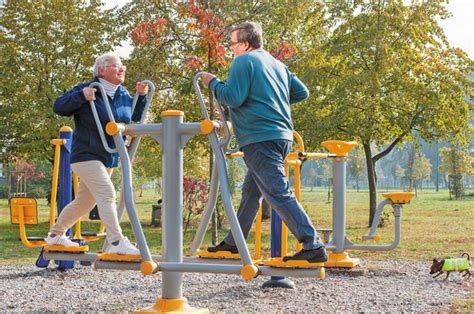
column 411, row 162
column 372, row 180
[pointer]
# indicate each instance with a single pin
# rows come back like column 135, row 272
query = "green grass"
column 432, row 225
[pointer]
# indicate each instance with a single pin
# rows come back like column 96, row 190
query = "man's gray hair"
column 102, row 61
column 250, row 32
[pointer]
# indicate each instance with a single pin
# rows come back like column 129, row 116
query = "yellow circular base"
column 341, row 260
column 171, row 305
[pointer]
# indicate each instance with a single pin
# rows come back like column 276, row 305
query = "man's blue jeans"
column 266, row 177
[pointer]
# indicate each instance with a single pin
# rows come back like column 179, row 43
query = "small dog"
column 448, row 265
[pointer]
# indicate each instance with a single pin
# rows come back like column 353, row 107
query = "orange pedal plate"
column 278, row 262
column 112, row 257
column 61, row 248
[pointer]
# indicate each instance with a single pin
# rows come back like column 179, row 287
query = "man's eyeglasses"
column 233, row 43
column 117, row 66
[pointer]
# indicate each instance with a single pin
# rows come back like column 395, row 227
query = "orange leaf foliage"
column 210, row 30
column 204, row 22
column 283, row 52
column 194, row 62
column 147, row 31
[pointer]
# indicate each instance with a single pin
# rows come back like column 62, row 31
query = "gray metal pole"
column 132, row 149
column 128, row 197
column 173, row 268
column 375, row 221
column 339, row 204
column 227, row 201
column 172, row 213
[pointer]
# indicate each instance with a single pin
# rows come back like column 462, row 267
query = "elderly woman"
column 89, row 159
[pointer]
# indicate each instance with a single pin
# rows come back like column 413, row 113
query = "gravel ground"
column 386, row 286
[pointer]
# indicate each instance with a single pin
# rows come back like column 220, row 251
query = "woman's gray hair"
column 102, row 61
column 250, row 32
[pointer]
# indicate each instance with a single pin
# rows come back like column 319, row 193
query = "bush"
column 38, row 192
column 194, row 199
column 4, row 191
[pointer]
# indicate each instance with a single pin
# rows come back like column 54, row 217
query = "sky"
column 459, row 28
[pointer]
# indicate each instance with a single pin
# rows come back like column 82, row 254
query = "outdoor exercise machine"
column 66, row 179
column 172, row 134
column 294, row 161
column 24, row 210
column 339, row 243
column 338, row 257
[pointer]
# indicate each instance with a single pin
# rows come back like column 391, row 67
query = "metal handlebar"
column 225, row 141
column 96, row 116
column 151, row 92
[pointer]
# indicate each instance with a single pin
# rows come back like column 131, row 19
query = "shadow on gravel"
column 26, row 274
column 237, row 292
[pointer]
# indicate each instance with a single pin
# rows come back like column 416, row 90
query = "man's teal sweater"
column 258, row 92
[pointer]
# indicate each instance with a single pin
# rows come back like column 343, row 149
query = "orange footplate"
column 278, row 262
column 61, row 248
column 112, row 257
column 224, row 255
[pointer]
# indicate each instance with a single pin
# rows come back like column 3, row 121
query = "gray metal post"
column 128, row 198
column 375, row 221
column 135, row 142
column 172, row 213
column 339, row 204
column 227, row 201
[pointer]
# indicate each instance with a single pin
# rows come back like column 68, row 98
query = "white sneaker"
column 61, row 240
column 124, row 247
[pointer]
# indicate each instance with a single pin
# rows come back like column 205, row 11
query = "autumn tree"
column 172, row 41
column 386, row 70
column 47, row 48
column 411, row 152
column 456, row 163
column 23, row 173
column 399, row 173
column 421, row 170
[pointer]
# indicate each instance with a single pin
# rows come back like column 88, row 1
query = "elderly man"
column 258, row 92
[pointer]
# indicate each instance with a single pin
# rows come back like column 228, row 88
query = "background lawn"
column 432, row 225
